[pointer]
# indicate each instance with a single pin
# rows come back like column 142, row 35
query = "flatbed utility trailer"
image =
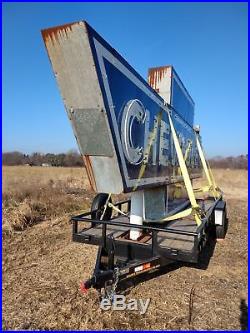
column 160, row 244
column 135, row 137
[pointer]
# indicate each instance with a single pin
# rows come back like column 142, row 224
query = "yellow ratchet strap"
column 177, row 216
column 187, row 152
column 212, row 187
column 195, row 207
column 105, row 206
column 116, row 209
column 152, row 137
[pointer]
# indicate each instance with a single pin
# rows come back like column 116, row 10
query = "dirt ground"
column 42, row 267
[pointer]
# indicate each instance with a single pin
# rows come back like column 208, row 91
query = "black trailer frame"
column 118, row 256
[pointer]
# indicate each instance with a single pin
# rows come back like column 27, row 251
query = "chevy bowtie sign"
column 120, row 122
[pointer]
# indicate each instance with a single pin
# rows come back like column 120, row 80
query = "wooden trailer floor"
column 164, row 239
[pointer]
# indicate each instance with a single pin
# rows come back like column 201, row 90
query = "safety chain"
column 109, row 290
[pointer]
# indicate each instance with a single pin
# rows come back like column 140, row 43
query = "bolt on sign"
column 119, row 120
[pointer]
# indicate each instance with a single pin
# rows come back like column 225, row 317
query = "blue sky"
column 206, row 42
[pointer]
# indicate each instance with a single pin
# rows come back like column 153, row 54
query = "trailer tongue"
column 135, row 137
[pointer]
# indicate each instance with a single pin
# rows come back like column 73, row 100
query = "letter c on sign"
column 133, row 110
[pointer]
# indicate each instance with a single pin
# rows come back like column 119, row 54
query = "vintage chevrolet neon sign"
column 120, row 122
column 134, row 111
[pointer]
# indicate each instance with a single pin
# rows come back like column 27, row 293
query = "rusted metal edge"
column 155, row 74
column 89, row 170
column 54, row 32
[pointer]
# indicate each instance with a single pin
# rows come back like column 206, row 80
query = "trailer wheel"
column 98, row 205
column 221, row 230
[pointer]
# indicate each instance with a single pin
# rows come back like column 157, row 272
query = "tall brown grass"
column 233, row 183
column 34, row 194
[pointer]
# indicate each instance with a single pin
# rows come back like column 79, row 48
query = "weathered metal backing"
column 160, row 78
column 107, row 175
column 166, row 82
column 155, row 200
column 87, row 123
column 73, row 65
column 70, row 54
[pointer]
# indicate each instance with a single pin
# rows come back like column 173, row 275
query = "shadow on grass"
column 243, row 315
column 126, row 285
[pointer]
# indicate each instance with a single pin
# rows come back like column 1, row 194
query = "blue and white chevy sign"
column 120, row 122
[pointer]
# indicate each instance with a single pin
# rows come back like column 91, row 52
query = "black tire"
column 221, row 230
column 97, row 207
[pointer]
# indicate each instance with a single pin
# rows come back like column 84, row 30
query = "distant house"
column 46, row 165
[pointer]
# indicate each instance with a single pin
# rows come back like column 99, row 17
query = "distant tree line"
column 239, row 162
column 73, row 158
column 70, row 159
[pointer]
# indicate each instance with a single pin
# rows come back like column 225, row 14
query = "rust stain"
column 54, row 32
column 155, row 75
column 90, row 173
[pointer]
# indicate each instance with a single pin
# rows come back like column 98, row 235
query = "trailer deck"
column 176, row 238
column 159, row 244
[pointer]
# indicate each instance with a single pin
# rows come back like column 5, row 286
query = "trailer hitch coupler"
column 84, row 286
column 97, row 280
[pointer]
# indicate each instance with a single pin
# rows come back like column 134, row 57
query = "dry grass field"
column 42, row 267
